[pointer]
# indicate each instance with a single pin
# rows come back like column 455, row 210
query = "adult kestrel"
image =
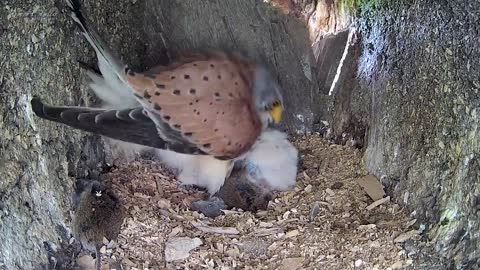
column 214, row 104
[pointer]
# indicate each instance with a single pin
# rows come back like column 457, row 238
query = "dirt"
column 323, row 223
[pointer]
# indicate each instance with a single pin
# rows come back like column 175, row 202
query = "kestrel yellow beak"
column 276, row 112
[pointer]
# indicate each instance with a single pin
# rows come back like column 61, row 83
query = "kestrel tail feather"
column 128, row 125
column 110, row 65
column 113, row 92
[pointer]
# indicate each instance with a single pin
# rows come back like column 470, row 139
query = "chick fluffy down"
column 273, row 156
column 276, row 160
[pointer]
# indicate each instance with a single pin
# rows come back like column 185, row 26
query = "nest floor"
column 326, row 222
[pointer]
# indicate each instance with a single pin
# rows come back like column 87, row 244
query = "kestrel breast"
column 208, row 101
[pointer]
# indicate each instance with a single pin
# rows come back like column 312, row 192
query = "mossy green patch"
column 352, row 6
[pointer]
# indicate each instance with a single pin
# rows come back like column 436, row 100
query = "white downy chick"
column 272, row 164
column 273, row 161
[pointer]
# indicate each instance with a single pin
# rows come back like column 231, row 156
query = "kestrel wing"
column 129, row 125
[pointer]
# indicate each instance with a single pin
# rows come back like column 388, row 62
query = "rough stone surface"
column 39, row 47
column 415, row 93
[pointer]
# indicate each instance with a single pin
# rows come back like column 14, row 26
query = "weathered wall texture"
column 323, row 17
column 416, row 92
column 39, row 47
column 39, row 160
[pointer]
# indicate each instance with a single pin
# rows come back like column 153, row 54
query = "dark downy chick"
column 241, row 192
column 238, row 191
column 98, row 214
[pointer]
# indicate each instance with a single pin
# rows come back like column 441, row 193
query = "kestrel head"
column 267, row 97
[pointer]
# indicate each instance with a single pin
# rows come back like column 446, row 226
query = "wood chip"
column 405, row 236
column 219, row 230
column 314, row 211
column 267, row 231
column 175, row 231
column 161, row 176
column 166, row 213
column 230, row 212
column 330, row 192
column 306, row 176
column 273, row 246
column 292, row 233
column 292, row 263
column 261, row 213
column 111, row 244
column 377, row 203
column 397, row 265
column 297, row 225
column 367, row 227
column 284, row 221
column 372, row 186
column 411, row 223
column 163, row 203
column 265, row 224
